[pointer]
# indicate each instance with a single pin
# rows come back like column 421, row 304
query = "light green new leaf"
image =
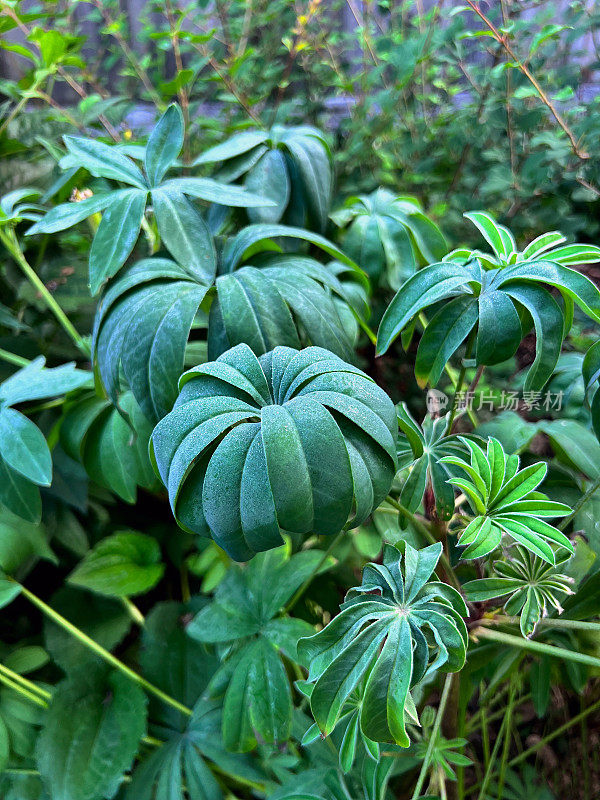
column 124, row 564
column 505, row 502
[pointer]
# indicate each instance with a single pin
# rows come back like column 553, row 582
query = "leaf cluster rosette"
column 292, row 166
column 389, row 236
column 497, row 301
column 506, row 503
column 531, row 586
column 298, row 441
column 396, row 628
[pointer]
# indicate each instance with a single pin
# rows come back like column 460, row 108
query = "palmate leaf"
column 397, row 627
column 421, row 448
column 244, row 615
column 389, row 236
column 547, row 247
column 112, row 446
column 296, row 440
column 500, row 304
column 506, row 503
column 181, row 227
column 25, row 460
column 181, row 767
column 91, row 734
column 292, row 166
column 144, row 319
column 533, row 588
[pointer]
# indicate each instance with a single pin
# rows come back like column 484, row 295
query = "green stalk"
column 488, row 772
column 592, row 488
column 460, row 381
column 506, row 745
column 537, row 647
column 424, row 531
column 314, row 573
column 134, row 612
column 16, row 687
column 485, row 734
column 24, row 682
column 433, row 738
column 547, row 622
column 9, row 238
column 103, row 653
column 11, row 358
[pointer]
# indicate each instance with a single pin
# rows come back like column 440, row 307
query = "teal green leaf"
column 164, row 144
column 103, row 161
column 276, row 414
column 116, row 236
column 123, row 564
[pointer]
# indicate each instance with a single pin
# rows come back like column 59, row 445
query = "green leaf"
column 8, row 591
column 37, row 382
column 116, row 236
column 164, row 144
column 23, row 447
column 103, row 619
column 497, row 236
column 103, row 161
column 269, row 178
column 68, row 214
column 184, row 233
column 222, row 193
column 349, row 648
column 125, row 563
column 313, row 163
column 258, row 703
column 91, row 735
column 234, row 146
column 442, row 337
column 263, row 423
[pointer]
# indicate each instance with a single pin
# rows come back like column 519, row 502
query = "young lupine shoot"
column 533, row 588
column 505, row 503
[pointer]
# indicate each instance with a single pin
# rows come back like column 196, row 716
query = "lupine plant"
column 188, row 506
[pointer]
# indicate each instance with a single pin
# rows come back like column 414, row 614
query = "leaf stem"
column 592, row 488
column 433, row 738
column 17, row 687
column 12, row 358
column 25, row 682
column 501, row 734
column 315, row 571
column 537, row 647
column 102, row 652
column 9, row 238
column 134, row 612
column 424, row 531
column 548, row 622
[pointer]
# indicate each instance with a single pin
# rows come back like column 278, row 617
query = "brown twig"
column 503, row 41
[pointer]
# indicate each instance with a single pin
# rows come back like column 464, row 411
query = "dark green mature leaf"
column 185, row 233
column 102, row 161
column 103, row 619
column 125, row 563
column 591, row 376
column 269, row 177
column 381, row 636
column 21, row 541
column 171, row 658
column 505, row 502
column 257, row 703
column 112, row 447
column 91, row 735
column 510, row 294
column 179, row 768
column 302, row 436
column 8, row 591
column 389, row 236
column 68, row 214
column 23, row 447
